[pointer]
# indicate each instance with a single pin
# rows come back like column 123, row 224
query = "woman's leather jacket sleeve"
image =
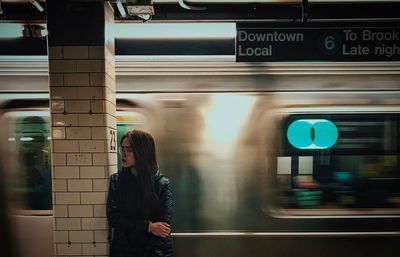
column 116, row 220
column 158, row 246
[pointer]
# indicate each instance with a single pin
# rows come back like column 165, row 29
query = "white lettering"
column 242, row 36
column 349, row 35
column 270, row 37
column 240, row 51
column 387, row 51
column 256, row 51
column 355, row 50
column 251, row 37
column 369, row 35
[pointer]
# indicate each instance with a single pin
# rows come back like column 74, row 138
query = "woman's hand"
column 161, row 229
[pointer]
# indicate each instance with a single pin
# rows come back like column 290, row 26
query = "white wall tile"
column 100, row 159
column 96, row 249
column 109, row 54
column 68, row 224
column 62, row 66
column 61, row 236
column 93, row 198
column 60, row 210
column 66, row 249
column 80, row 211
column 111, row 109
column 109, row 95
column 100, row 236
column 91, row 119
column 67, row 198
column 96, row 52
column 65, row 120
column 66, row 172
column 94, row 223
column 82, row 159
column 90, row 93
column 56, row 79
column 59, row 185
column 92, row 172
column 91, row 146
column 97, row 79
column 110, row 68
column 55, row 52
column 99, row 210
column 76, row 79
column 75, row 52
column 90, row 65
column 57, row 106
column 63, row 92
column 65, row 146
column 111, row 121
column 110, row 82
column 101, row 133
column 98, row 106
column 81, row 236
column 79, row 185
column 59, row 159
column 58, row 133
column 112, row 158
column 78, row 133
column 100, row 184
column 77, row 106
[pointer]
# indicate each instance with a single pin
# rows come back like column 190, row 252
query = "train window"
column 27, row 158
column 27, row 152
column 127, row 121
column 339, row 163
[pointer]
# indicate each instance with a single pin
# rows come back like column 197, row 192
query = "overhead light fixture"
column 141, row 8
column 189, row 7
column 37, row 5
column 121, row 9
column 1, row 9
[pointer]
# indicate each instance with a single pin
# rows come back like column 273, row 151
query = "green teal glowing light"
column 312, row 134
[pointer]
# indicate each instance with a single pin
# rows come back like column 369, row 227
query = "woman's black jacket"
column 154, row 246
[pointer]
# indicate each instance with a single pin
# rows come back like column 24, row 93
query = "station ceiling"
column 34, row 11
column 27, row 12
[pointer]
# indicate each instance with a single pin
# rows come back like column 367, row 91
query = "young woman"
column 139, row 204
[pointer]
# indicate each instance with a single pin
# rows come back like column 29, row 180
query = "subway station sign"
column 270, row 44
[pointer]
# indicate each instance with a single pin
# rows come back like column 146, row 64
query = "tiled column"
column 83, row 116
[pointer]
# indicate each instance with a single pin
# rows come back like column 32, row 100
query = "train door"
column 26, row 161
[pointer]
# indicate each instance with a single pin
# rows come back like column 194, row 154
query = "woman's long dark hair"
column 144, row 150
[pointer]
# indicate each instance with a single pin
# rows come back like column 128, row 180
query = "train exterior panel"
column 253, row 170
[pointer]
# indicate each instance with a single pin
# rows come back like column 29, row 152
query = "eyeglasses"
column 125, row 150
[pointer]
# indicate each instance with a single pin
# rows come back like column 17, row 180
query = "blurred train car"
column 277, row 160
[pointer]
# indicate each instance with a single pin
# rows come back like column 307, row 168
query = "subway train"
column 265, row 159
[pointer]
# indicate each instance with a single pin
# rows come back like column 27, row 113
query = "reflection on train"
column 254, row 172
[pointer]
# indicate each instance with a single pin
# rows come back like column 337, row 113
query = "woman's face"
column 127, row 156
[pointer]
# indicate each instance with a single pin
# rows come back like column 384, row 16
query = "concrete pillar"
column 83, row 123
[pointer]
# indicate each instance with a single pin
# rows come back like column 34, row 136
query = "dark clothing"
column 128, row 224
